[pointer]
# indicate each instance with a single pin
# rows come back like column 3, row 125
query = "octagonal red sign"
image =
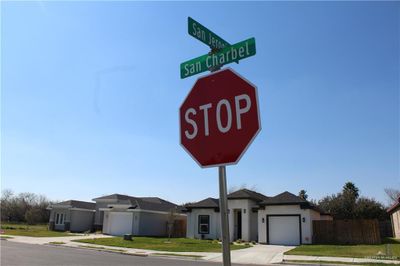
column 219, row 118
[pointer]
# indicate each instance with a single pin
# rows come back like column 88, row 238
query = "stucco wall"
column 245, row 206
column 326, row 217
column 395, row 216
column 99, row 215
column 306, row 226
column 135, row 224
column 152, row 224
column 192, row 224
column 54, row 211
column 81, row 220
column 254, row 226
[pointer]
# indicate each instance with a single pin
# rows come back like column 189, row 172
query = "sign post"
column 223, row 206
column 219, row 118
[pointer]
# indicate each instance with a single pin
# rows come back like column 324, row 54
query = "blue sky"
column 90, row 93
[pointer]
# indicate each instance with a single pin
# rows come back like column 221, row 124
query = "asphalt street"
column 18, row 254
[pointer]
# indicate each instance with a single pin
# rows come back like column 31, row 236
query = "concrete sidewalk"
column 258, row 254
column 46, row 240
column 318, row 260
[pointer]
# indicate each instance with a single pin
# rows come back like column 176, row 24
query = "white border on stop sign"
column 248, row 144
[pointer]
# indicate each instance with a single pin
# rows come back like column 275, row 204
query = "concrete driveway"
column 259, row 254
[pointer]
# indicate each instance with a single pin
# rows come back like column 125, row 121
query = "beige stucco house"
column 284, row 219
column 394, row 212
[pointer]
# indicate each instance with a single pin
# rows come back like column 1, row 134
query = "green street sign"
column 225, row 56
column 204, row 35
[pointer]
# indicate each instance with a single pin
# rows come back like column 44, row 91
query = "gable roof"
column 394, row 207
column 114, row 196
column 143, row 203
column 247, row 194
column 76, row 204
column 155, row 204
column 285, row 198
column 205, row 203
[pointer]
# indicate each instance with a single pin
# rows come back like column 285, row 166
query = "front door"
column 238, row 224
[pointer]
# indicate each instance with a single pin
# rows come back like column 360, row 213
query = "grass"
column 353, row 251
column 178, row 255
column 307, row 262
column 40, row 230
column 162, row 244
column 102, row 248
column 5, row 237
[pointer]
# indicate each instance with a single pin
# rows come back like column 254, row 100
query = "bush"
column 32, row 216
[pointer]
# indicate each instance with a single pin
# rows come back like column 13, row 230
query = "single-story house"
column 120, row 214
column 394, row 212
column 287, row 219
column 72, row 215
column 284, row 219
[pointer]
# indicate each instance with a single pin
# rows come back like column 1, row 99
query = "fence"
column 179, row 229
column 385, row 228
column 346, row 232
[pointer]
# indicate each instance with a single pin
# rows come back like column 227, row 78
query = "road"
column 18, row 254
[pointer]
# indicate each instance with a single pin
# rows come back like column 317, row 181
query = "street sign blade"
column 225, row 56
column 205, row 35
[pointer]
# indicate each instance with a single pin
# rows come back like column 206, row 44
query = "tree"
column 333, row 204
column 368, row 208
column 242, row 186
column 350, row 189
column 24, row 207
column 348, row 205
column 393, row 195
column 171, row 222
column 33, row 216
column 303, row 194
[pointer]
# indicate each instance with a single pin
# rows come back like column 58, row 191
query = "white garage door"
column 120, row 223
column 284, row 230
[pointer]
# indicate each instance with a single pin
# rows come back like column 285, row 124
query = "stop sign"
column 219, row 118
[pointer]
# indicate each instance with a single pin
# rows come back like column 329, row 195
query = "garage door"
column 120, row 223
column 283, row 230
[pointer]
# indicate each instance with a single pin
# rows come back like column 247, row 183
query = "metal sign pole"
column 223, row 208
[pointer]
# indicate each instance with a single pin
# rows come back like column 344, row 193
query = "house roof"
column 205, row 203
column 143, row 203
column 247, row 194
column 76, row 204
column 394, row 207
column 114, row 196
column 285, row 198
column 155, row 204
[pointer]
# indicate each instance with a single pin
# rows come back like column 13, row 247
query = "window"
column 59, row 218
column 204, row 224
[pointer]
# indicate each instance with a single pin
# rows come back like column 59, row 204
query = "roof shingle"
column 76, row 204
column 247, row 194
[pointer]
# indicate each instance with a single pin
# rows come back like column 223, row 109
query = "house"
column 72, row 215
column 394, row 212
column 284, row 219
column 120, row 214
column 287, row 219
column 203, row 219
